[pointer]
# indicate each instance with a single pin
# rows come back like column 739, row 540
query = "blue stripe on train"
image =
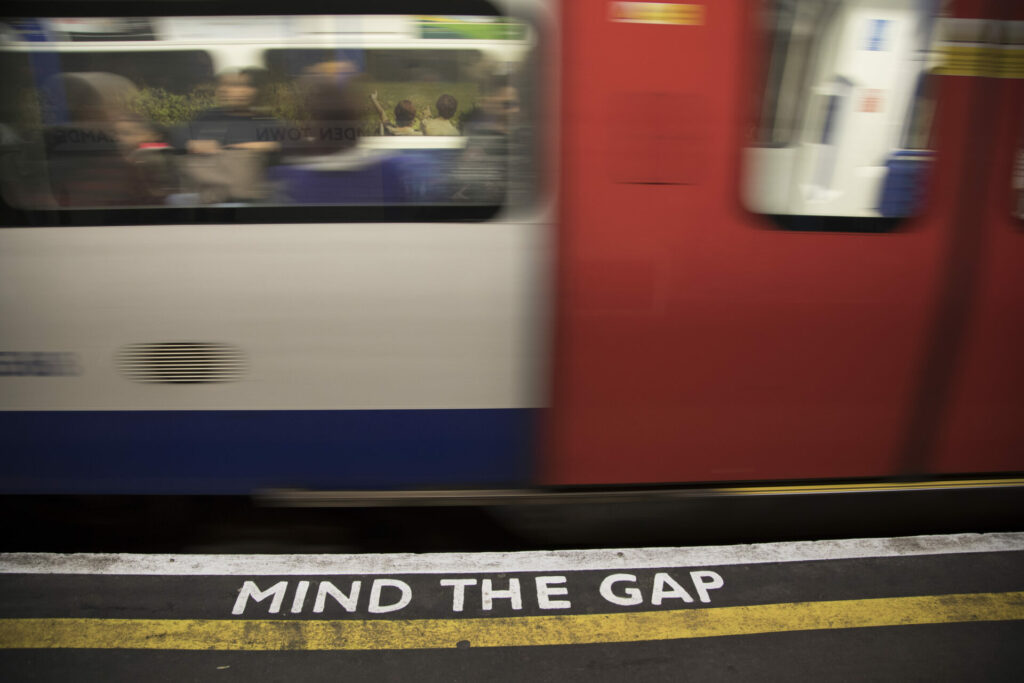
column 237, row 451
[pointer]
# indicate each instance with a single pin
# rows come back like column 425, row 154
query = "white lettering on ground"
column 251, row 590
column 300, row 596
column 663, row 587
column 704, row 581
column 545, row 590
column 378, row 602
column 488, row 594
column 632, row 595
column 459, row 592
column 375, row 592
column 349, row 602
column 390, row 595
column 667, row 587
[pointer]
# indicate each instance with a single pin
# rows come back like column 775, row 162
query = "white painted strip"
column 473, row 563
column 387, row 316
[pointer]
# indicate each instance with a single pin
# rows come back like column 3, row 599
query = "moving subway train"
column 521, row 245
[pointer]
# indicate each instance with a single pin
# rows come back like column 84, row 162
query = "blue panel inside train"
column 903, row 189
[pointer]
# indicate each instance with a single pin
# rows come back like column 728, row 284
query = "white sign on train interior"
column 385, row 595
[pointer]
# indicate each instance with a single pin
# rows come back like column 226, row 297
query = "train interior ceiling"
column 540, row 246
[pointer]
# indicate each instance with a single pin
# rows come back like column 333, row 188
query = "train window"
column 265, row 118
column 844, row 119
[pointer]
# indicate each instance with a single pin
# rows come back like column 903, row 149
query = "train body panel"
column 383, row 365
column 731, row 241
column 232, row 452
column 433, row 316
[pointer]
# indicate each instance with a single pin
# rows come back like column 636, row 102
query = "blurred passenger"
column 496, row 149
column 405, row 117
column 499, row 108
column 234, row 122
column 230, row 145
column 330, row 167
column 145, row 147
column 442, row 125
column 88, row 164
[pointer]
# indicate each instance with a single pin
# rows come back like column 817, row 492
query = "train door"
column 982, row 422
column 736, row 301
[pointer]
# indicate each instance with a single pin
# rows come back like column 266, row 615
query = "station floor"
column 913, row 608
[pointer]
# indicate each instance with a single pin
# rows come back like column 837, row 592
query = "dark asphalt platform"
column 918, row 608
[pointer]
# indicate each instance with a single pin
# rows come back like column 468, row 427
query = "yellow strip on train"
column 1005, row 61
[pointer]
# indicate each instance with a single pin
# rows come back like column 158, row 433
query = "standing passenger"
column 234, row 122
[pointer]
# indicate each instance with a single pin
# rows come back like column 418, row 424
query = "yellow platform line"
column 875, row 486
column 407, row 634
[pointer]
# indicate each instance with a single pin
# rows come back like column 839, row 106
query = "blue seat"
column 903, row 189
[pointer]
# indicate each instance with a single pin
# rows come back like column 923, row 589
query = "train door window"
column 843, row 126
column 266, row 118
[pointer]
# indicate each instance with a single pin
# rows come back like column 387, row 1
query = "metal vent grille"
column 181, row 362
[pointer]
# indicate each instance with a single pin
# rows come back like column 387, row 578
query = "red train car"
column 669, row 244
column 699, row 339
